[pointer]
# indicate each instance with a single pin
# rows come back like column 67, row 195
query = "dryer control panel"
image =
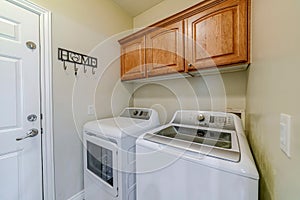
column 137, row 113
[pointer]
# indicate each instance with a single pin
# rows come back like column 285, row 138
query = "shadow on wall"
column 198, row 93
column 262, row 160
column 158, row 97
column 111, row 95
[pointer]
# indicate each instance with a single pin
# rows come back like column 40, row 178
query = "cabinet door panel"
column 165, row 50
column 218, row 36
column 133, row 59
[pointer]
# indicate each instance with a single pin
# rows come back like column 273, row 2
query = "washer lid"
column 208, row 141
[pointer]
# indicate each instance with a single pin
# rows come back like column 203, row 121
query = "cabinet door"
column 218, row 36
column 133, row 59
column 165, row 53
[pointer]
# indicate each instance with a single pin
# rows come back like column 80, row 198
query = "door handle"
column 31, row 133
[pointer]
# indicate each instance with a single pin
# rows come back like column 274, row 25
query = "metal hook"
column 84, row 69
column 75, row 69
column 93, row 71
column 65, row 66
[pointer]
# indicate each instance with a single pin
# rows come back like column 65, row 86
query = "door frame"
column 46, row 94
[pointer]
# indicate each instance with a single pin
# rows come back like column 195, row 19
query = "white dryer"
column 109, row 153
column 197, row 156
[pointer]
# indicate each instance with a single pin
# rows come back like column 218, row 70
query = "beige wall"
column 273, row 88
column 162, row 10
column 80, row 26
column 209, row 93
column 216, row 92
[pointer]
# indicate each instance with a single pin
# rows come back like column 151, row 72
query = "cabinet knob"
column 190, row 65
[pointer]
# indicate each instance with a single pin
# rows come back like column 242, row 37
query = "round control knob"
column 201, row 133
column 135, row 112
column 141, row 113
column 201, row 117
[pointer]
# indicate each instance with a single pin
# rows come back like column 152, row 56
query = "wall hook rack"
column 77, row 59
column 65, row 66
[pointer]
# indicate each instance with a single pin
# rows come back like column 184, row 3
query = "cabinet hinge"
column 42, row 130
column 41, row 116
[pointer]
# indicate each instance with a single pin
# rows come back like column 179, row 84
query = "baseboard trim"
column 78, row 196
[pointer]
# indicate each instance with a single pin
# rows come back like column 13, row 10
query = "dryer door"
column 101, row 162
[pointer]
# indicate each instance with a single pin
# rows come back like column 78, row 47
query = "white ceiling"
column 135, row 7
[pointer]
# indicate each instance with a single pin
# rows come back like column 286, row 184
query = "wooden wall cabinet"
column 165, row 50
column 218, row 36
column 133, row 63
column 213, row 33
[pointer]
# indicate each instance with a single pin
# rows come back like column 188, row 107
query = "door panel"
column 20, row 161
column 218, row 36
column 214, row 35
column 133, row 59
column 10, row 86
column 165, row 50
column 9, row 164
column 9, row 29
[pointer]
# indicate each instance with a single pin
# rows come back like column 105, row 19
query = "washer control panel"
column 205, row 119
column 137, row 113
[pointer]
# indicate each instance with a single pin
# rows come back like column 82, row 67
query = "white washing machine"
column 109, row 154
column 197, row 156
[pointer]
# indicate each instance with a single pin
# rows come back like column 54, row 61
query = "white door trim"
column 46, row 94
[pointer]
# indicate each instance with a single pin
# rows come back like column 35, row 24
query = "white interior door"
column 20, row 161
